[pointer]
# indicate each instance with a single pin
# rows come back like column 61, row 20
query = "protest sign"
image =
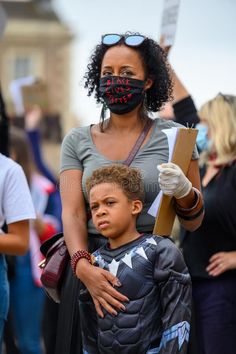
column 35, row 94
column 169, row 21
column 27, row 92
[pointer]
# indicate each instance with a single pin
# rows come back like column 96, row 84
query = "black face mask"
column 121, row 94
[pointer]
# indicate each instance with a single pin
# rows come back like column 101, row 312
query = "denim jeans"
column 27, row 304
column 4, row 296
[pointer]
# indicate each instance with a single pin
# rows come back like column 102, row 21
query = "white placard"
column 3, row 20
column 169, row 21
column 171, row 137
column 16, row 93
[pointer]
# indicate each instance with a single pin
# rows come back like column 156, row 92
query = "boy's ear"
column 137, row 207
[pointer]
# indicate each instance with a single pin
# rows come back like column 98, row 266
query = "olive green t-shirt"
column 79, row 152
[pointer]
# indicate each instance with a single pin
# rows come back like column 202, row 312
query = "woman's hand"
column 172, row 180
column 221, row 262
column 100, row 283
column 174, row 183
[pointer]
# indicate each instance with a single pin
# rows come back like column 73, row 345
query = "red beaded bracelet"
column 77, row 256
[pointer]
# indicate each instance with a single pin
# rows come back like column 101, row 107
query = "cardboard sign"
column 35, row 94
column 169, row 21
column 182, row 154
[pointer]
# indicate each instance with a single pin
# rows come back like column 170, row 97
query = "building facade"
column 36, row 43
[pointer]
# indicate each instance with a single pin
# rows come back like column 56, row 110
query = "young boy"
column 150, row 268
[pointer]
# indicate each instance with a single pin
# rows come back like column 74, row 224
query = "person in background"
column 33, row 119
column 130, row 76
column 16, row 211
column 210, row 251
column 150, row 268
column 27, row 295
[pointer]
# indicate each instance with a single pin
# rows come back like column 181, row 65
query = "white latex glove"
column 172, row 180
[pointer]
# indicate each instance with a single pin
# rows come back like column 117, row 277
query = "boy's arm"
column 175, row 286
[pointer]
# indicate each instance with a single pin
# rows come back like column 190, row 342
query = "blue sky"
column 204, row 53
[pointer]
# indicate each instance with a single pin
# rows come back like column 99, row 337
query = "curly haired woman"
column 130, row 77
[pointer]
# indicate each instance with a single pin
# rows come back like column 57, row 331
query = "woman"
column 129, row 75
column 210, row 251
column 16, row 210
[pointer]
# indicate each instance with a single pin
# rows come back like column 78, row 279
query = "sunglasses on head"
column 132, row 40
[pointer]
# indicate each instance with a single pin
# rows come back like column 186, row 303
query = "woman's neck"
column 127, row 123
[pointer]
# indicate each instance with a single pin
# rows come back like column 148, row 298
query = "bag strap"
column 52, row 241
column 139, row 142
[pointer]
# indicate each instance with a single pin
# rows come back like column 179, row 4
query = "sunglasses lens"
column 110, row 39
column 134, row 40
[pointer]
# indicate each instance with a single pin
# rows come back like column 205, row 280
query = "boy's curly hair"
column 156, row 67
column 127, row 178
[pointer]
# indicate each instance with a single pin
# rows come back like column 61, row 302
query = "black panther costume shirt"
column 155, row 278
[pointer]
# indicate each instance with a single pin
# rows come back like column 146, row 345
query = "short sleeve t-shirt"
column 79, row 152
column 15, row 199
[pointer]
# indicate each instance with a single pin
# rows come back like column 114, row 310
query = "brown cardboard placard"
column 183, row 149
column 35, row 94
